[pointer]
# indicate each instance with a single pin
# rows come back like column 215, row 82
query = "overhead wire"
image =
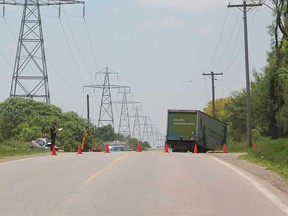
column 91, row 47
column 233, row 50
column 242, row 44
column 13, row 36
column 216, row 49
column 167, row 85
column 77, row 46
column 218, row 43
column 68, row 83
column 228, row 43
column 70, row 48
column 78, row 49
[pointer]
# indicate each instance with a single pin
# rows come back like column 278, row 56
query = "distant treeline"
column 25, row 120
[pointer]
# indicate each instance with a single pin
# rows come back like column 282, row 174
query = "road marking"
column 87, row 181
column 258, row 186
column 16, row 161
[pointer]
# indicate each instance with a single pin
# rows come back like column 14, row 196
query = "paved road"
column 130, row 183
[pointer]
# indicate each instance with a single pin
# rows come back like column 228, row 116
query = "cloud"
column 195, row 5
column 170, row 21
column 203, row 30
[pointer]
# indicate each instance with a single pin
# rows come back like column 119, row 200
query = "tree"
column 235, row 116
column 219, row 108
column 277, row 64
column 26, row 119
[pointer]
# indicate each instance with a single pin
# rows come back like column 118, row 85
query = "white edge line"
column 16, row 161
column 269, row 195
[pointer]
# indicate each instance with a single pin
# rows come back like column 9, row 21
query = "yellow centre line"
column 87, row 181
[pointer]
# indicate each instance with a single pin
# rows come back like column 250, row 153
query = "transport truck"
column 185, row 128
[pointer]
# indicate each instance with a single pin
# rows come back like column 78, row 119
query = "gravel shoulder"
column 258, row 171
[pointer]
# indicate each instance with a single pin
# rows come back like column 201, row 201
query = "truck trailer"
column 185, row 128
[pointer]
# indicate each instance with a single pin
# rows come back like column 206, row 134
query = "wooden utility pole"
column 212, row 74
column 88, row 110
column 249, row 124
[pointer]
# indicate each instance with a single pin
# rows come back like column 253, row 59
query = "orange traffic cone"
column 79, row 150
column 224, row 148
column 107, row 149
column 195, row 149
column 166, row 148
column 53, row 150
column 254, row 146
column 139, row 147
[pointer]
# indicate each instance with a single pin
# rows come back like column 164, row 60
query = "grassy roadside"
column 272, row 154
column 16, row 148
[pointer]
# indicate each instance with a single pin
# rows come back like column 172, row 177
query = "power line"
column 228, row 43
column 73, row 57
column 77, row 47
column 91, row 47
column 167, row 85
column 219, row 39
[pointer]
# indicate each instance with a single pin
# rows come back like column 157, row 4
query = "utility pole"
column 212, row 74
column 249, row 123
column 106, row 111
column 88, row 110
column 30, row 77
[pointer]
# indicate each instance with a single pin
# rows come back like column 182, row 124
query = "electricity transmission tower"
column 30, row 77
column 136, row 133
column 106, row 110
column 152, row 137
column 124, row 123
column 145, row 135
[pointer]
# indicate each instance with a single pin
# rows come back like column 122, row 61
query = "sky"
column 160, row 48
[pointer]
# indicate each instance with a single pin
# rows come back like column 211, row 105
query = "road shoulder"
column 258, row 171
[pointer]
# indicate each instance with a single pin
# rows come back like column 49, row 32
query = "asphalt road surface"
column 131, row 183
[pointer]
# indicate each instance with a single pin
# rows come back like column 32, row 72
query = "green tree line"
column 26, row 120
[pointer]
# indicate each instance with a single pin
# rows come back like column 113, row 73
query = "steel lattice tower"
column 106, row 110
column 30, row 77
column 124, row 123
column 145, row 136
column 152, row 134
column 136, row 133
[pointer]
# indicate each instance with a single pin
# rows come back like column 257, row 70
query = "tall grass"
column 16, row 148
column 273, row 154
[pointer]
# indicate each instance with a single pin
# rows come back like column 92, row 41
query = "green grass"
column 272, row 154
column 16, row 148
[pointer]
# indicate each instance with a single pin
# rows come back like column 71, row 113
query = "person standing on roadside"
column 53, row 132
